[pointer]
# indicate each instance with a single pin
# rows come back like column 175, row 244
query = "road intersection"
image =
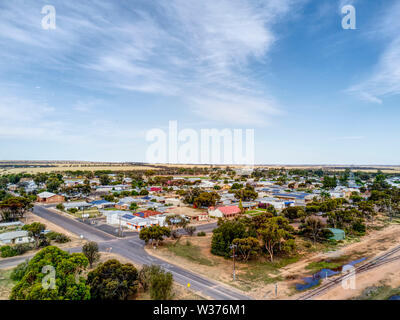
column 132, row 248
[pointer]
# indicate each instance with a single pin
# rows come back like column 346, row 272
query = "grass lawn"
column 6, row 284
column 189, row 251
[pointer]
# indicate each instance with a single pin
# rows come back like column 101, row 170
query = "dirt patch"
column 263, row 280
column 386, row 275
column 250, row 278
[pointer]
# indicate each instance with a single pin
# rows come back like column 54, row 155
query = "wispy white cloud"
column 384, row 79
column 199, row 51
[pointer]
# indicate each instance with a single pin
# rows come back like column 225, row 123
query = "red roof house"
column 224, row 212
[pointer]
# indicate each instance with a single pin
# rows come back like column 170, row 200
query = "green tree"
column 246, row 194
column 207, row 199
column 133, row 206
column 91, row 252
column 161, row 285
column 154, row 234
column 247, row 247
column 145, row 275
column 190, row 230
column 112, row 280
column 274, row 232
column 68, row 284
column 225, row 233
column 313, row 228
column 329, row 182
column 14, row 208
column 19, row 271
column 105, row 179
column 35, row 231
column 295, row 212
column 53, row 184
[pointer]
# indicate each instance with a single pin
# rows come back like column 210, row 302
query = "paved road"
column 72, row 225
column 132, row 248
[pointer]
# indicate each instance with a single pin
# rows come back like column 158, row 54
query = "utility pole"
column 119, row 230
column 233, row 247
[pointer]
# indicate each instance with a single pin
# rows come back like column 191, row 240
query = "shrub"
column 19, row 271
column 157, row 281
column 60, row 206
column 8, row 251
column 201, row 234
column 359, row 227
column 57, row 237
column 51, row 235
column 22, row 248
column 161, row 286
column 73, row 210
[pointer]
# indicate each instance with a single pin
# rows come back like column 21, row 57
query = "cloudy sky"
column 90, row 89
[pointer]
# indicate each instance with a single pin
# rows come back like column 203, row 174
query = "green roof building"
column 338, row 234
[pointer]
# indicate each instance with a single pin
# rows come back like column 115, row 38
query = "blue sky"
column 111, row 70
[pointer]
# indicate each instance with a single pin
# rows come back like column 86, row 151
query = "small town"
column 199, row 159
column 269, row 233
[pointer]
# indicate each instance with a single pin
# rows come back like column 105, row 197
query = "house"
column 77, row 205
column 71, row 183
column 131, row 221
column 159, row 220
column 155, row 189
column 122, row 206
column 250, row 204
column 48, row 197
column 11, row 224
column 203, row 216
column 30, row 186
column 15, row 237
column 101, row 204
column 269, row 201
column 136, row 223
column 224, row 211
column 147, row 213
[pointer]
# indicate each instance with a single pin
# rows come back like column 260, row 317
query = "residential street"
column 132, row 248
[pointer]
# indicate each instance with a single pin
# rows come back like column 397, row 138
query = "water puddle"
column 394, row 298
column 315, row 279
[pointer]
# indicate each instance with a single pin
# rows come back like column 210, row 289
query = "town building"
column 49, row 197
column 224, row 211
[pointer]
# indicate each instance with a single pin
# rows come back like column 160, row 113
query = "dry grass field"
column 42, row 166
column 7, row 167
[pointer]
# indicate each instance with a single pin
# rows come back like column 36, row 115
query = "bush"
column 51, row 235
column 161, row 286
column 57, row 237
column 157, row 281
column 62, row 238
column 145, row 275
column 22, row 248
column 8, row 251
column 359, row 227
column 113, row 280
column 73, row 210
column 201, row 234
column 60, row 206
column 19, row 271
